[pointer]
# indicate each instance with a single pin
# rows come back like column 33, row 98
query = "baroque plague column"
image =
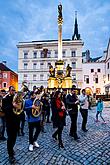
column 57, row 78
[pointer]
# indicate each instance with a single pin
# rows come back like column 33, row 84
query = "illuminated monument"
column 57, row 77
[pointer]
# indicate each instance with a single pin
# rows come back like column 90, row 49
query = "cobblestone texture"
column 93, row 148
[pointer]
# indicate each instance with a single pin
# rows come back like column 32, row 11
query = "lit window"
column 74, row 65
column 25, row 65
column 73, row 53
column 34, row 54
column 25, row 55
column 34, row 65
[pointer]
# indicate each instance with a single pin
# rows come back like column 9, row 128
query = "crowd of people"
column 41, row 106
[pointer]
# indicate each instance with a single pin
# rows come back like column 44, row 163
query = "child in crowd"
column 99, row 109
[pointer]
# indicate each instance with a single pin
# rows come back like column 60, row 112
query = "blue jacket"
column 28, row 109
column 99, row 106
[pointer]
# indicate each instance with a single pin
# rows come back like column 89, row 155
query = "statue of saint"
column 60, row 11
column 51, row 71
column 68, row 70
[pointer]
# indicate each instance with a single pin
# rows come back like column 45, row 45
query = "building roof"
column 95, row 59
column 5, row 68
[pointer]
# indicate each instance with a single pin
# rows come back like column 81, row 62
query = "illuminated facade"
column 7, row 78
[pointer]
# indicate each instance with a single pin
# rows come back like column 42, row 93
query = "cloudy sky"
column 28, row 20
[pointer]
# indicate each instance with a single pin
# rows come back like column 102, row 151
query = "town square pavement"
column 93, row 148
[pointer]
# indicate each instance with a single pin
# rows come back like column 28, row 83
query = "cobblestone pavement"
column 93, row 148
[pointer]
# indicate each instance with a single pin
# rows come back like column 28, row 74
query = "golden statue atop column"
column 57, row 77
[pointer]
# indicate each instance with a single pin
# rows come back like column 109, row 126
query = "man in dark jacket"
column 12, row 122
column 72, row 103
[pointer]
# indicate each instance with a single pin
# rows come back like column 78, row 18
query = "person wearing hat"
column 72, row 106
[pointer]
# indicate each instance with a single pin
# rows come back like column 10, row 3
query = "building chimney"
column 4, row 62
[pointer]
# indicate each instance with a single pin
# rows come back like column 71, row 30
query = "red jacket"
column 59, row 107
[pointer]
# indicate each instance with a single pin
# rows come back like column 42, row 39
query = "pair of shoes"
column 54, row 136
column 85, row 130
column 104, row 122
column 61, row 145
column 30, row 147
column 11, row 159
column 36, row 144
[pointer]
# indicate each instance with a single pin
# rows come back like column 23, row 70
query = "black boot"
column 54, row 136
column 60, row 145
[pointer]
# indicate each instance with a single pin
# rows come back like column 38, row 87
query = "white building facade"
column 96, row 75
column 34, row 59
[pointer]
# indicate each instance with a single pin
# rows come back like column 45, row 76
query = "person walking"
column 84, row 104
column 99, row 109
column 72, row 104
column 33, row 121
column 3, row 122
column 58, row 118
column 12, row 122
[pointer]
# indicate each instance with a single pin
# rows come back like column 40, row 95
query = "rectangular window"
column 25, row 65
column 74, row 76
column 34, row 77
column 56, row 53
column 48, row 54
column 64, row 53
column 4, row 84
column 108, row 77
column 49, row 63
column 96, row 80
column 34, row 65
column 98, row 70
column 41, row 77
column 108, row 65
column 34, row 54
column 92, row 70
column 42, row 54
column 4, row 75
column 41, row 65
column 1, row 75
column 87, row 80
column 74, row 65
column 25, row 55
column 73, row 53
column 25, row 77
